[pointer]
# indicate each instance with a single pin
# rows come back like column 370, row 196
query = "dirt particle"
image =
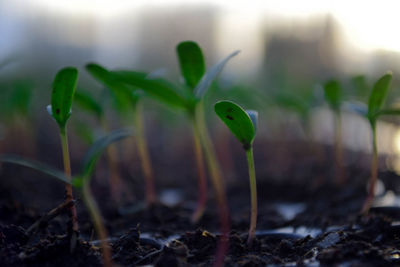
column 57, row 111
column 229, row 117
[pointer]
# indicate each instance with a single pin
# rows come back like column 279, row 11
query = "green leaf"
column 95, row 151
column 378, row 95
column 388, row 111
column 123, row 96
column 191, row 61
column 238, row 121
column 333, row 94
column 86, row 102
column 210, row 75
column 63, row 92
column 44, row 168
column 159, row 89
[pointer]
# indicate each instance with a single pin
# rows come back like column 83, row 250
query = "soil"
column 304, row 217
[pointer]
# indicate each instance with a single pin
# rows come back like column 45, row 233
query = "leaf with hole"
column 62, row 95
column 191, row 62
column 238, row 121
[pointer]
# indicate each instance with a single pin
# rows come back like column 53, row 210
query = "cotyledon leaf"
column 210, row 75
column 44, row 168
column 238, row 121
column 62, row 95
column 333, row 94
column 378, row 94
column 98, row 147
column 191, row 62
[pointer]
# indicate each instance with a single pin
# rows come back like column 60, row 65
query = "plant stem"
column 68, row 188
column 114, row 176
column 253, row 193
column 374, row 172
column 340, row 174
column 201, row 176
column 97, row 221
column 144, row 156
column 217, row 182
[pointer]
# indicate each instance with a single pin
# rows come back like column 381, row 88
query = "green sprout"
column 190, row 101
column 87, row 102
column 128, row 102
column 80, row 181
column 372, row 113
column 64, row 86
column 243, row 124
column 334, row 96
column 375, row 110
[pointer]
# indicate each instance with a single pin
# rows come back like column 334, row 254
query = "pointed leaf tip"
column 210, row 75
column 378, row 95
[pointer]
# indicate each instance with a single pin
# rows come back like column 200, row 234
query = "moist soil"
column 304, row 217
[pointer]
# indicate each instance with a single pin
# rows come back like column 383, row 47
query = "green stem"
column 340, row 175
column 114, row 175
column 201, row 177
column 217, row 182
column 253, row 193
column 68, row 188
column 374, row 172
column 144, row 156
column 94, row 212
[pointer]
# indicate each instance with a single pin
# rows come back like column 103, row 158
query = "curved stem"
column 144, row 156
column 253, row 194
column 97, row 222
column 217, row 182
column 201, row 176
column 68, row 188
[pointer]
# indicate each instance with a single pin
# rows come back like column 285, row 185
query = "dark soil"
column 304, row 218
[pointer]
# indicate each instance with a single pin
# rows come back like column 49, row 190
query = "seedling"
column 60, row 109
column 129, row 103
column 333, row 95
column 81, row 181
column 190, row 101
column 243, row 124
column 88, row 103
column 374, row 110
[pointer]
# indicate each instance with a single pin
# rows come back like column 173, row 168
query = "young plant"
column 129, row 103
column 86, row 102
column 60, row 109
column 190, row 101
column 333, row 95
column 375, row 110
column 243, row 124
column 80, row 181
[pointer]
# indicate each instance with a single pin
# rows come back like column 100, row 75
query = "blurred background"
column 291, row 46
